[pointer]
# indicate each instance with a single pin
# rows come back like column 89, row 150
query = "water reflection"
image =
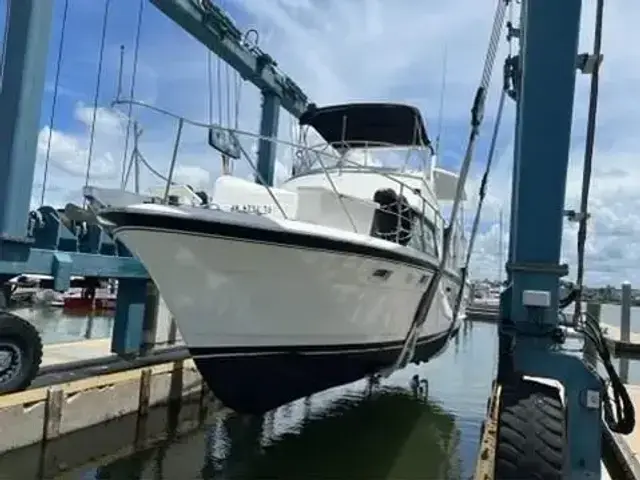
column 387, row 432
column 422, row 422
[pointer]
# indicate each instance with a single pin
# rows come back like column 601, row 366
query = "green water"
column 352, row 432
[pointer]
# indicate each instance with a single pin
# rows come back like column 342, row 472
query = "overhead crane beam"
column 29, row 25
column 209, row 25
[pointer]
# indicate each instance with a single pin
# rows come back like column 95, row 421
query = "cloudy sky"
column 339, row 51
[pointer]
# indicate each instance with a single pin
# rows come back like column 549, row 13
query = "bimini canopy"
column 357, row 125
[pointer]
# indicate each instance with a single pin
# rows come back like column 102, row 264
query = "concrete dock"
column 82, row 384
column 624, row 449
column 42, row 414
column 59, row 353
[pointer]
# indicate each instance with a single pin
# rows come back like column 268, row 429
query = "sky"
column 337, row 51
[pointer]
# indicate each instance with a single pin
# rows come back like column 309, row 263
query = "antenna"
column 443, row 87
column 500, row 248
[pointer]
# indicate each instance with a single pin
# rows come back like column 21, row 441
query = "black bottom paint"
column 257, row 383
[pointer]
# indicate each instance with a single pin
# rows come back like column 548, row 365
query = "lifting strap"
column 477, row 113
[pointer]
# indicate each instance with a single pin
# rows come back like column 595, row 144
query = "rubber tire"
column 23, row 335
column 532, row 433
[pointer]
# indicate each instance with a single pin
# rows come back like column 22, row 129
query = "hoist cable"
column 485, row 179
column 477, row 111
column 54, row 101
column 96, row 96
column 238, row 98
column 219, row 86
column 588, row 155
column 481, row 197
column 132, row 88
column 210, row 86
column 227, row 83
column 624, row 419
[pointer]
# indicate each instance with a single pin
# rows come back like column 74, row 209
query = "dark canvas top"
column 376, row 123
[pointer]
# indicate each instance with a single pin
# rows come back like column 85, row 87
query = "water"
column 351, row 432
column 56, row 326
column 610, row 315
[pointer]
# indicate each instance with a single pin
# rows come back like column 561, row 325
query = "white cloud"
column 379, row 50
column 107, row 121
column 194, row 176
column 70, row 152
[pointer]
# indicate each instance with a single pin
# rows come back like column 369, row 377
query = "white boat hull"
column 271, row 317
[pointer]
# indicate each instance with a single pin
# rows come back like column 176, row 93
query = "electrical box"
column 536, row 298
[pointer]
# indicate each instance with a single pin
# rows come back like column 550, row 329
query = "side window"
column 429, row 239
column 423, row 237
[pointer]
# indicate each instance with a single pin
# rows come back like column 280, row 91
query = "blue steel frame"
column 216, row 32
column 29, row 27
column 548, row 53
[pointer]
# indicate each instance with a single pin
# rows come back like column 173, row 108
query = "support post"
column 625, row 329
column 23, row 77
column 590, row 355
column 127, row 337
column 625, row 313
column 537, row 221
column 150, row 323
column 267, row 145
column 549, row 34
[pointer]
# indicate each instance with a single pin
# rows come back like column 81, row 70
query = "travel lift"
column 545, row 414
column 529, row 432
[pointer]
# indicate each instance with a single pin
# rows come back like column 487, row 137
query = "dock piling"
column 625, row 313
column 625, row 328
column 590, row 354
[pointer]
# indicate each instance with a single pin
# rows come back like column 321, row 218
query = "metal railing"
column 325, row 159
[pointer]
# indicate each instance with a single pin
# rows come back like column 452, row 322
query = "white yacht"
column 283, row 292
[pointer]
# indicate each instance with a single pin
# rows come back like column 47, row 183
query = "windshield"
column 397, row 158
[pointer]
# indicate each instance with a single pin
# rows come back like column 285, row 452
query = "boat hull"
column 271, row 318
column 257, row 381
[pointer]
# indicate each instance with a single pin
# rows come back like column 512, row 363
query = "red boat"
column 89, row 300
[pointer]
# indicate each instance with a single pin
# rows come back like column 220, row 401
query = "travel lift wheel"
column 20, row 353
column 531, row 434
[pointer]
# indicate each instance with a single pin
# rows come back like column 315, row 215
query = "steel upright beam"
column 28, row 29
column 549, row 46
column 267, row 148
column 529, row 314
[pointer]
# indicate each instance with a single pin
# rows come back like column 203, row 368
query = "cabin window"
column 429, row 239
column 423, row 237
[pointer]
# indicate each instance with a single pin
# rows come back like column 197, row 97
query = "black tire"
column 20, row 353
column 532, row 433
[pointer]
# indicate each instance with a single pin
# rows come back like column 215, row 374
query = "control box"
column 536, row 298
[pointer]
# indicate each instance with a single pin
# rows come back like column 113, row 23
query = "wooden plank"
column 485, row 464
column 76, row 386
